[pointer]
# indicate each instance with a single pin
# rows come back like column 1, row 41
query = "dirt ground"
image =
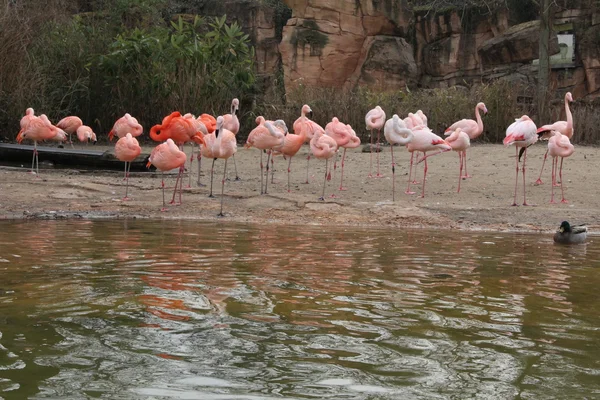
column 484, row 202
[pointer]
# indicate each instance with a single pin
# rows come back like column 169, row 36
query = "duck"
column 570, row 234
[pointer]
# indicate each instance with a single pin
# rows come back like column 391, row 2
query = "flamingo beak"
column 148, row 165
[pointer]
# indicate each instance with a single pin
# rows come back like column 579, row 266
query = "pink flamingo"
column 564, row 127
column 425, row 140
column 278, row 124
column 27, row 118
column 345, row 137
column 210, row 123
column 127, row 149
column 460, row 142
column 323, row 147
column 165, row 157
column 264, row 138
column 422, row 116
column 291, row 145
column 353, row 143
column 308, row 127
column 522, row 133
column 199, row 127
column 86, row 134
column 396, row 133
column 224, row 146
column 559, row 145
column 232, row 124
column 473, row 128
column 70, row 125
column 39, row 129
column 375, row 119
column 124, row 125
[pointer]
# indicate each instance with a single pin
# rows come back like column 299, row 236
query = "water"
column 172, row 309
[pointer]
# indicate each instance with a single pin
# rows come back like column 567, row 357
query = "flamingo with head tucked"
column 425, row 140
column 70, row 125
column 165, row 157
column 323, row 147
column 559, row 145
column 124, row 125
column 564, row 127
column 375, row 119
column 39, row 129
column 473, row 128
column 345, row 137
column 210, row 123
column 396, row 133
column 460, row 142
column 127, row 149
column 304, row 125
column 265, row 137
column 86, row 134
column 522, row 133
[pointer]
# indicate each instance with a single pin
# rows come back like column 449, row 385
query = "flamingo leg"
column 342, row 180
column 289, row 170
column 199, row 165
column 524, row 160
column 379, row 175
column 126, row 180
column 237, row 178
column 371, row 157
column 465, row 161
column 212, row 170
column 414, row 176
column 190, row 170
column 562, row 190
column 539, row 179
column 267, row 176
column 408, row 191
column 307, row 161
column 33, row 157
column 272, row 169
column 460, row 168
column 220, row 214
column 125, row 172
column 162, row 180
column 393, row 173
column 516, row 177
column 179, row 176
column 181, row 184
column 424, row 175
column 553, row 180
column 322, row 198
column 335, row 164
column 262, row 185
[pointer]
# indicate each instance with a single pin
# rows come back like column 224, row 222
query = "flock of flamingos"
column 217, row 140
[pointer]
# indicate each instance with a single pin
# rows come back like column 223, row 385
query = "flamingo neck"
column 155, row 133
column 569, row 115
column 479, row 121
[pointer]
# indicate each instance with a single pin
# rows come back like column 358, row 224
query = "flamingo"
column 425, row 140
column 127, row 149
column 460, row 142
column 564, row 127
column 396, row 132
column 38, row 129
column 165, row 157
column 232, row 124
column 224, row 146
column 85, row 134
column 344, row 136
column 473, row 128
column 180, row 130
column 308, row 127
column 210, row 123
column 291, row 145
column 559, row 145
column 522, row 133
column 27, row 118
column 279, row 124
column 70, row 125
column 200, row 127
column 124, row 125
column 422, row 116
column 264, row 138
column 323, row 147
column 375, row 119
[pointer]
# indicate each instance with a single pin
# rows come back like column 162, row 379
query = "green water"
column 171, row 309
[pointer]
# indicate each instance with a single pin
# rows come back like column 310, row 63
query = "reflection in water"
column 171, row 309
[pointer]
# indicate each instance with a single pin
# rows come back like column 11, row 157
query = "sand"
column 484, row 202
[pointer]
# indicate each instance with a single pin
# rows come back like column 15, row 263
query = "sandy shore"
column 483, row 203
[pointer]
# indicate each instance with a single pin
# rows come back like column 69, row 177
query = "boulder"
column 519, row 43
column 454, row 53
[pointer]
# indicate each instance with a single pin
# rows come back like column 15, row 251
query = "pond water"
column 174, row 309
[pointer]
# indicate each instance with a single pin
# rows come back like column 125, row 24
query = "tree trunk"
column 546, row 17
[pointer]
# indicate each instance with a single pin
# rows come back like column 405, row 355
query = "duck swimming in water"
column 570, row 234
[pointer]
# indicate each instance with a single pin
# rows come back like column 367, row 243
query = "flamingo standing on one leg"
column 86, row 134
column 200, row 127
column 127, row 149
column 564, row 127
column 165, row 157
column 224, row 146
column 70, row 125
column 304, row 125
column 278, row 124
column 264, row 138
column 425, row 140
column 353, row 143
column 323, row 147
column 559, row 145
column 124, row 125
column 375, row 119
column 210, row 123
column 522, row 133
column 291, row 145
column 232, row 124
column 39, row 129
column 460, row 142
column 473, row 128
column 396, row 133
